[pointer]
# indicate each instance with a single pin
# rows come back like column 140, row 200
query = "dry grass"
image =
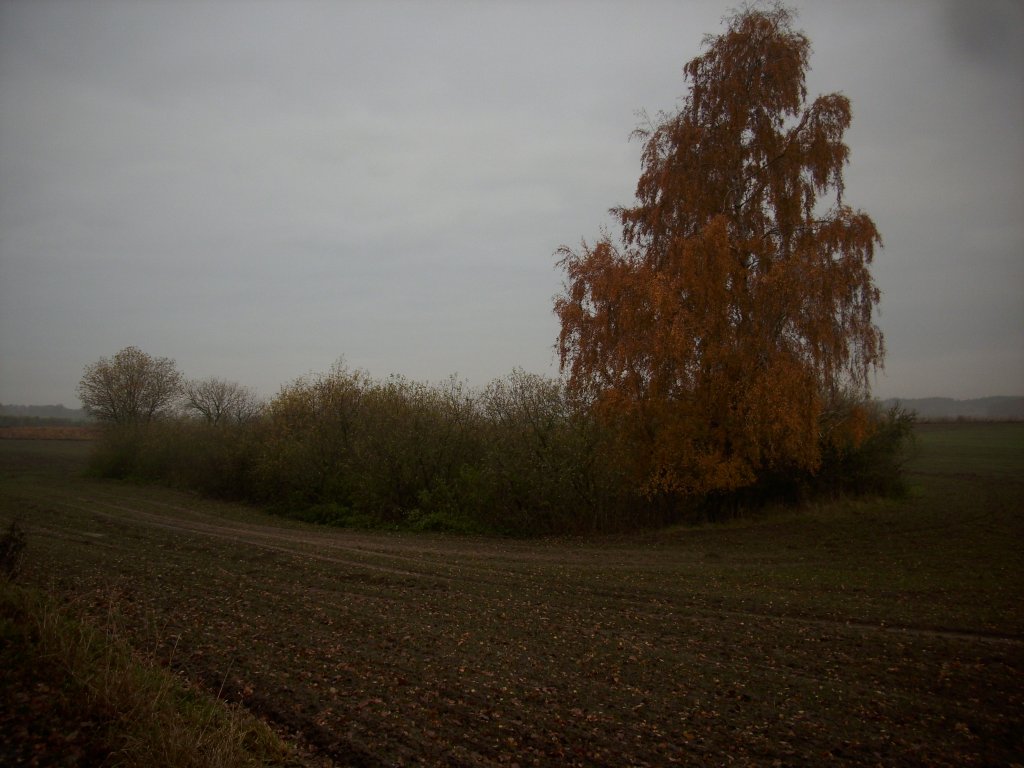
column 79, row 694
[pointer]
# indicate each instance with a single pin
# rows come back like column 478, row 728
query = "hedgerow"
column 518, row 457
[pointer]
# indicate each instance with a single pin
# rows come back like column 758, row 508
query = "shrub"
column 116, row 453
column 872, row 464
column 519, row 457
column 307, row 450
column 217, row 460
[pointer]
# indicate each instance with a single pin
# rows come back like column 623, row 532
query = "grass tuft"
column 78, row 693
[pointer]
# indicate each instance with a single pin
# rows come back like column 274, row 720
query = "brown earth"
column 49, row 433
column 863, row 634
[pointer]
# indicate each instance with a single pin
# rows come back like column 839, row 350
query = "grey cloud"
column 257, row 188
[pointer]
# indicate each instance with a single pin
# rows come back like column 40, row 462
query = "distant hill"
column 946, row 408
column 34, row 412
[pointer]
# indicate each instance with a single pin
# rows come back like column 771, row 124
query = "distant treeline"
column 948, row 409
column 517, row 457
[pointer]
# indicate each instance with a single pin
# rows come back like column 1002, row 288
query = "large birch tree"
column 737, row 307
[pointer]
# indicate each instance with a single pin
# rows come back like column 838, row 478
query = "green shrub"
column 874, row 464
column 327, row 513
column 116, row 453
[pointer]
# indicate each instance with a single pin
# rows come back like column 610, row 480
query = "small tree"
column 130, row 388
column 740, row 302
column 219, row 401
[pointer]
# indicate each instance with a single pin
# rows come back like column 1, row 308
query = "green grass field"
column 860, row 632
column 986, row 450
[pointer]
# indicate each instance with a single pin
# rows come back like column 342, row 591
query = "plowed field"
column 860, row 633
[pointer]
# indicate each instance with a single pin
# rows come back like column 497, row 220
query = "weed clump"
column 12, row 550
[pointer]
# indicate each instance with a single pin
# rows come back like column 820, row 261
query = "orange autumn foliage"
column 739, row 302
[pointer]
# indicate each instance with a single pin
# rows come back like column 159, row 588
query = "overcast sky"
column 256, row 189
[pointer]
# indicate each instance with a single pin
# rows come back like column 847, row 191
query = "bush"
column 863, row 450
column 515, row 458
column 518, row 458
column 872, row 464
column 116, row 453
column 213, row 459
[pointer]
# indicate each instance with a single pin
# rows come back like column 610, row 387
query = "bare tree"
column 220, row 401
column 130, row 387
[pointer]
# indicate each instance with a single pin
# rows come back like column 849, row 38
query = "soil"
column 852, row 637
